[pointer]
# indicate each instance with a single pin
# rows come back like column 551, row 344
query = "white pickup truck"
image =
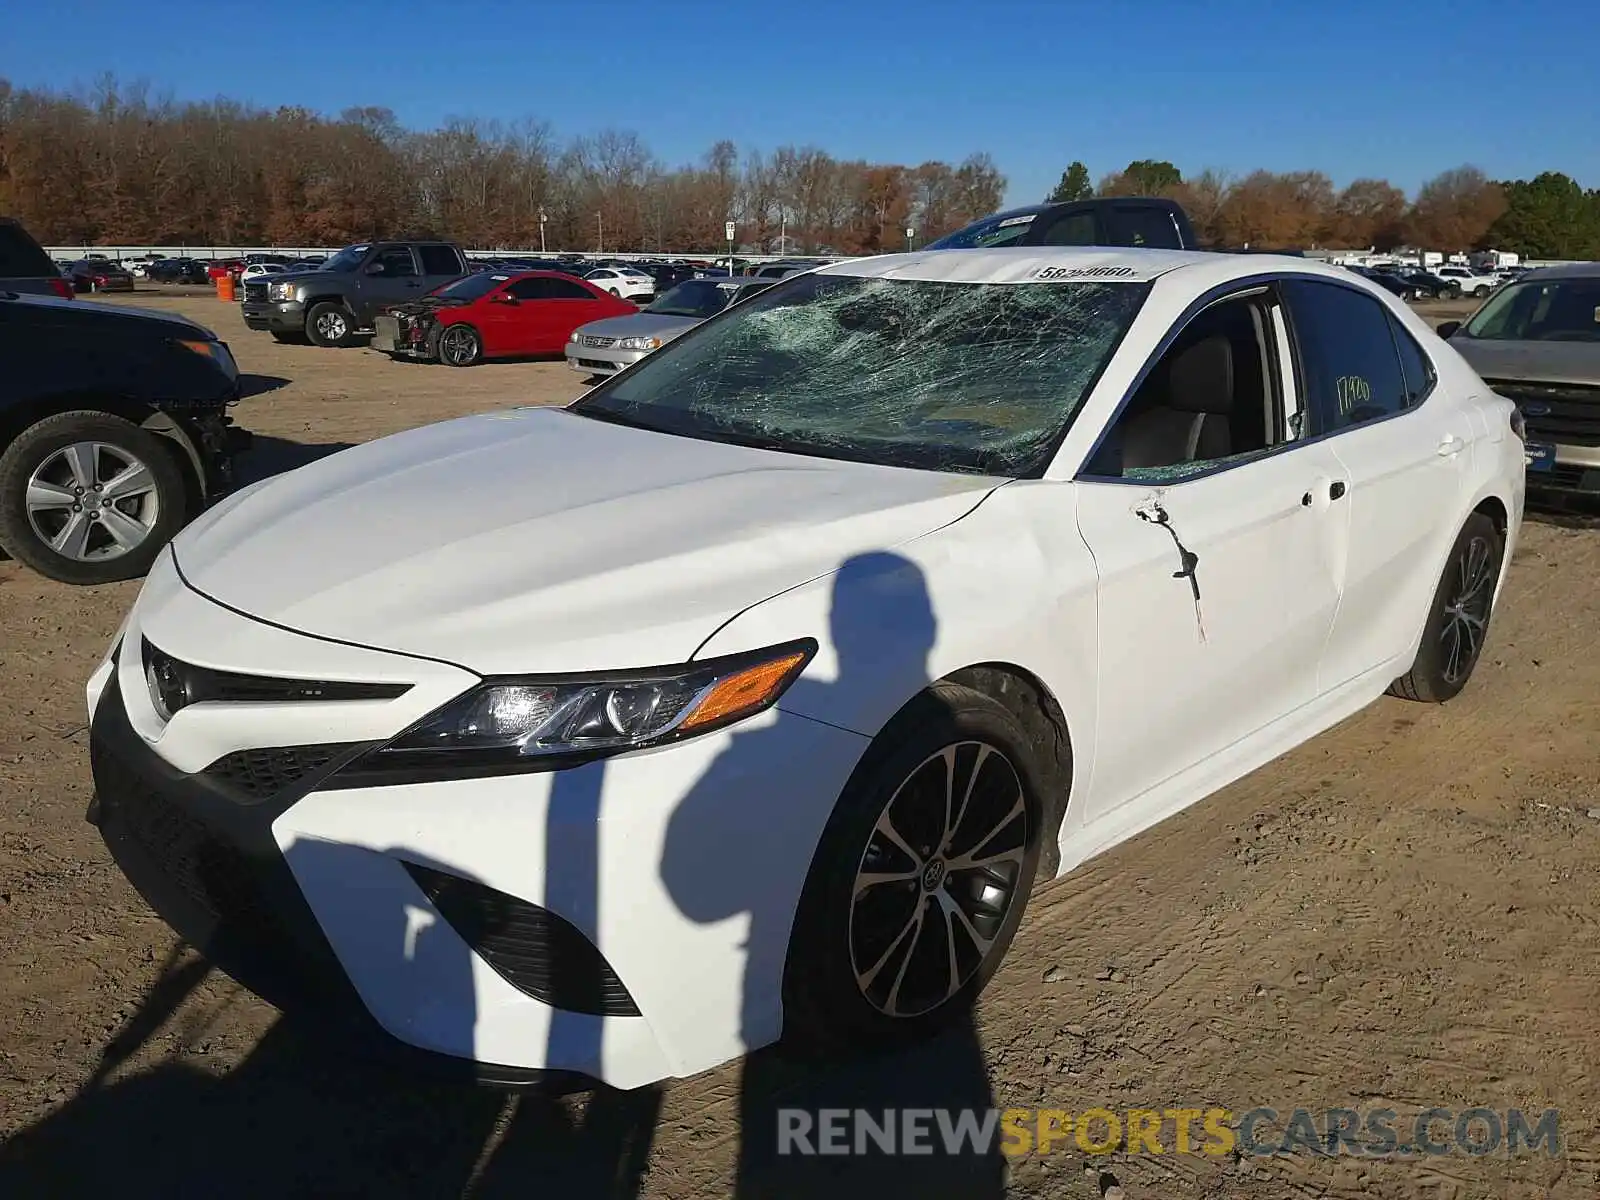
column 1469, row 281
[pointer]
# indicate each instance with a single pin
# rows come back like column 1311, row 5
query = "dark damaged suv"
column 113, row 433
column 337, row 302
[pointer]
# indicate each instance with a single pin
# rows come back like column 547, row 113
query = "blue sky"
column 1401, row 89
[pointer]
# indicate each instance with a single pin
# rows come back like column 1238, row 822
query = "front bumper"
column 592, row 360
column 679, row 869
column 276, row 316
column 1567, row 469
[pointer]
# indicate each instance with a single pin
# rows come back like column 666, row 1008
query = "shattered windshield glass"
column 970, row 377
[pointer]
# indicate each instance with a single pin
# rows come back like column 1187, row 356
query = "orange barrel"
column 225, row 287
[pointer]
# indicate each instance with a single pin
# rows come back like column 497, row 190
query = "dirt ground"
column 1400, row 914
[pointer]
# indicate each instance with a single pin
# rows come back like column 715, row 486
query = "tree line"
column 117, row 167
column 1550, row 216
column 114, row 165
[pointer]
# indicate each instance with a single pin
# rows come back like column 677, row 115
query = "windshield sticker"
column 501, row 278
column 1084, row 273
column 1010, row 221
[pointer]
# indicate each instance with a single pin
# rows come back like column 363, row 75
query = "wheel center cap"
column 933, row 875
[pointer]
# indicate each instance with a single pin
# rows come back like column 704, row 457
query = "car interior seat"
column 1186, row 409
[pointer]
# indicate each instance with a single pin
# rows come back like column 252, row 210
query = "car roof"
column 1583, row 270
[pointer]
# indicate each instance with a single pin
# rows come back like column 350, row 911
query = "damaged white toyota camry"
column 752, row 694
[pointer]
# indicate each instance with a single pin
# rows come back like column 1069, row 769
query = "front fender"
column 1010, row 583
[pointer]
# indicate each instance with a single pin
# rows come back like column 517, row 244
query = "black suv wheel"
column 87, row 498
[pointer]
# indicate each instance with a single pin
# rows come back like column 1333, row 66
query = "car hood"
column 537, row 540
column 640, row 325
column 1535, row 362
column 152, row 320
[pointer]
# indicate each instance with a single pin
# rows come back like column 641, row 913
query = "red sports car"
column 494, row 316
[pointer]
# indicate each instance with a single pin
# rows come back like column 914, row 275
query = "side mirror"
column 502, row 298
column 373, row 268
column 1446, row 328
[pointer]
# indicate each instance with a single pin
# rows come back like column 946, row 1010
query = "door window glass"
column 1349, row 369
column 1210, row 401
column 439, row 260
column 396, row 262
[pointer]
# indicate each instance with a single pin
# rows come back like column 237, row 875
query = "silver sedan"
column 607, row 346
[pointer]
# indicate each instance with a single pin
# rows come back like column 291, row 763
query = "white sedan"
column 753, row 693
column 626, row 283
column 261, row 271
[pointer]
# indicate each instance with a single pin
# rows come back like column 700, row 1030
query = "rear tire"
column 851, row 981
column 1458, row 621
column 53, row 520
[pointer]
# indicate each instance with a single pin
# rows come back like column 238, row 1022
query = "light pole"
column 909, row 232
column 601, row 218
column 542, row 219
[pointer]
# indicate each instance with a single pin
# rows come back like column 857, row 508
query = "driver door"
column 1218, row 557
column 388, row 277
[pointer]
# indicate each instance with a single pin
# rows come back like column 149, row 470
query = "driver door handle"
column 1450, row 446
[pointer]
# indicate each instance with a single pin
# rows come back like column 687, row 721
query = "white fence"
column 73, row 253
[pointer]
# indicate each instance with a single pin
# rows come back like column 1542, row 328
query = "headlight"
column 511, row 725
column 281, row 291
column 639, row 343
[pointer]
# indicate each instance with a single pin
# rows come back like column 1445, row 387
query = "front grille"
column 1561, row 413
column 597, row 343
column 594, row 364
column 255, row 291
column 1567, row 477
column 210, row 872
column 252, row 776
column 532, row 949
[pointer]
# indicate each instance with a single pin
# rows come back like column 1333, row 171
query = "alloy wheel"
column 937, row 879
column 1466, row 614
column 456, row 345
column 92, row 501
column 332, row 326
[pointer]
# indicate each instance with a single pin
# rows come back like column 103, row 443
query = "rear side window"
column 1141, row 225
column 566, row 289
column 1070, row 229
column 440, row 260
column 20, row 255
column 1414, row 365
column 1349, row 370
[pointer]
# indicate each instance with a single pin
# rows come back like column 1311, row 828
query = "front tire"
column 909, row 907
column 460, row 345
column 89, row 498
column 1458, row 621
column 1478, row 293
column 329, row 324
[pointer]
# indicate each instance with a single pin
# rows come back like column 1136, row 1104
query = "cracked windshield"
column 970, row 377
